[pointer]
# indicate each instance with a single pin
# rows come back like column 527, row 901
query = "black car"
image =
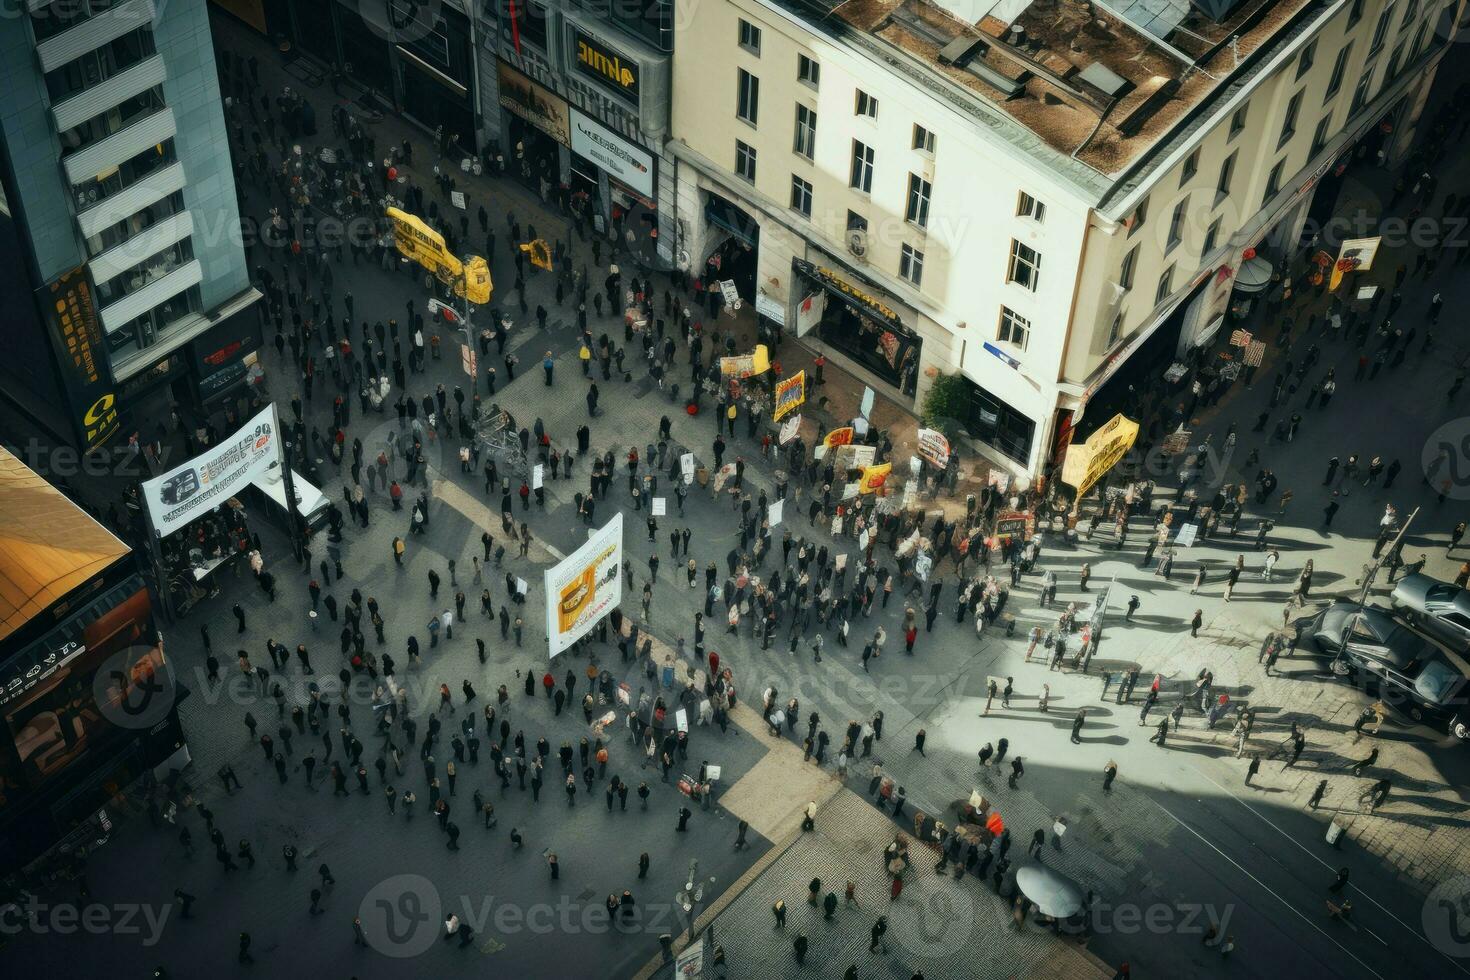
column 1427, row 683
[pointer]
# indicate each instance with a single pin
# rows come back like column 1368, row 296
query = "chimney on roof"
column 1016, row 35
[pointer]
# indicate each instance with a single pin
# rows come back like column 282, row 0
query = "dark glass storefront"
column 735, row 257
column 64, row 750
column 998, row 425
column 862, row 326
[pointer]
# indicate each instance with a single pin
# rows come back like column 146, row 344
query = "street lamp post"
column 288, row 484
column 1368, row 578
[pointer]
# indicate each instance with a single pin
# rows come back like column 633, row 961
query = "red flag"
column 515, row 27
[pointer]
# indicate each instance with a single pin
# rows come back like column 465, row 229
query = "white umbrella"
column 1054, row 894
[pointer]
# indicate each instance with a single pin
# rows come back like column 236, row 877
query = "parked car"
column 1438, row 608
column 1430, row 685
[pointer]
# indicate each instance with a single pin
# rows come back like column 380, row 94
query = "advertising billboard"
column 623, row 161
column 70, row 311
column 209, row 479
column 585, row 586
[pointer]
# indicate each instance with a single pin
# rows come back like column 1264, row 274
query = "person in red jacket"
column 549, row 683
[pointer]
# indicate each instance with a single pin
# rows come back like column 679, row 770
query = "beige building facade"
column 918, row 190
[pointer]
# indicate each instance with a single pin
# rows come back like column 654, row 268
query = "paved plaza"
column 1180, row 845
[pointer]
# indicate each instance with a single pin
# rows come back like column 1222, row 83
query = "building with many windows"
column 119, row 228
column 1054, row 198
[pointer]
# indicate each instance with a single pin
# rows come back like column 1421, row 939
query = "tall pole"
column 1368, row 578
column 288, row 483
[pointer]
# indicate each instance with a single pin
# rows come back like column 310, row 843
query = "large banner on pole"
column 585, row 586
column 209, row 479
column 1086, row 463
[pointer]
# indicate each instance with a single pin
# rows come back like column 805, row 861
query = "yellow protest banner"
column 475, row 281
column 419, row 243
column 790, row 395
column 838, row 437
column 1086, row 463
column 874, row 477
column 746, row 365
column 539, row 253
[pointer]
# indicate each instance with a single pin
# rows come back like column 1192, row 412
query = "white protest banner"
column 841, row 561
column 538, row 473
column 836, row 523
column 922, row 566
column 712, row 773
column 866, row 408
column 522, row 587
column 777, row 511
column 863, row 539
column 215, row 475
column 584, row 586
column 1187, row 535
column 860, row 427
column 686, row 466
column 789, row 429
column 851, row 490
column 681, row 719
column 660, row 506
column 457, row 199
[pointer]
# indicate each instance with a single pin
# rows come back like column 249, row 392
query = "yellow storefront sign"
column 1086, row 463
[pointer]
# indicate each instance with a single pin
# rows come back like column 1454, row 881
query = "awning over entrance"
column 722, row 214
column 862, row 302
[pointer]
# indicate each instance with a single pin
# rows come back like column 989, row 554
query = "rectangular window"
column 1227, row 174
column 1355, row 13
column 1288, row 125
column 1319, row 138
column 1237, row 121
column 1360, row 94
column 911, row 264
column 750, row 37
column 1410, row 12
column 1116, row 329
column 861, row 176
column 1306, row 59
column 801, row 196
column 1420, row 36
column 1273, row 182
column 1190, row 168
column 1380, row 30
column 1396, row 63
column 856, row 222
column 1211, row 237
column 1029, row 207
column 917, row 209
column 808, row 71
column 1339, row 69
column 1176, row 226
column 1165, row 287
column 805, row 143
column 1130, row 265
column 1014, row 328
column 865, row 105
column 749, row 97
column 745, row 161
column 923, row 140
column 1138, row 217
column 1025, row 266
